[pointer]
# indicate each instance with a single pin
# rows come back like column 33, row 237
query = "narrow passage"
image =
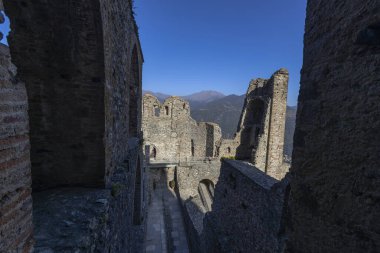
column 165, row 227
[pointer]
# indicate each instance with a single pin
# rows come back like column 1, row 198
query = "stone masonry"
column 71, row 129
column 173, row 135
column 334, row 203
column 261, row 130
column 15, row 178
column 81, row 63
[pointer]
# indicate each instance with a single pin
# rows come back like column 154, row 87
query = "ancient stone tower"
column 261, row 130
column 262, row 125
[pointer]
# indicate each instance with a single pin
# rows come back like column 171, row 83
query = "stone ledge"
column 70, row 219
column 250, row 171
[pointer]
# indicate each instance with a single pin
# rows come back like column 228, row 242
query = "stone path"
column 165, row 227
column 155, row 238
column 175, row 224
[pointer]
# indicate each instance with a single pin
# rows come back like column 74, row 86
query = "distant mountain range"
column 213, row 106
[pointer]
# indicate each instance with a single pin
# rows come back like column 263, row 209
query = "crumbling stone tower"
column 261, row 130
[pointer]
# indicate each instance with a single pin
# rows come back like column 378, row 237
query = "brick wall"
column 15, row 178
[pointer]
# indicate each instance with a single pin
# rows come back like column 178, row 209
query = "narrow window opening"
column 192, row 148
column 206, row 192
column 154, row 153
column 167, row 110
column 156, row 111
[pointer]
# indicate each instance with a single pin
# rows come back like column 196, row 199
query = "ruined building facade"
column 71, row 171
column 329, row 200
column 70, row 121
column 261, row 131
column 173, row 135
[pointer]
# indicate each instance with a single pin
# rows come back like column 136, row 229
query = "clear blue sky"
column 4, row 28
column 194, row 45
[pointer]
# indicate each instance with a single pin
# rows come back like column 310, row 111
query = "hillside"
column 225, row 112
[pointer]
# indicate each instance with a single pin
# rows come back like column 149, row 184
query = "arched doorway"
column 206, row 192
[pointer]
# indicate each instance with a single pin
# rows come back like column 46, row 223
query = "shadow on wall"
column 246, row 214
column 253, row 127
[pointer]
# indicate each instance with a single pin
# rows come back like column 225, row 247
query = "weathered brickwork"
column 15, row 178
column 334, row 198
column 83, row 87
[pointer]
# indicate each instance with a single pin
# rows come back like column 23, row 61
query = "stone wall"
column 15, row 178
column 64, row 77
column 80, row 80
column 123, row 61
column 90, row 219
column 247, row 211
column 261, row 131
column 188, row 178
column 83, row 81
column 334, row 199
column 173, row 135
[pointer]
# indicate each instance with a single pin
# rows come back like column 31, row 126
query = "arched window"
column 192, row 148
column 255, row 112
column 228, row 150
column 156, row 111
column 154, row 153
column 206, row 192
column 134, row 94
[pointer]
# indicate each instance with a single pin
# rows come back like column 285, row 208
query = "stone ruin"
column 71, row 162
column 261, row 130
column 71, row 165
column 173, row 136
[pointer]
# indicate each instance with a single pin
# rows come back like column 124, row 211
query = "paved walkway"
column 165, row 227
column 155, row 238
